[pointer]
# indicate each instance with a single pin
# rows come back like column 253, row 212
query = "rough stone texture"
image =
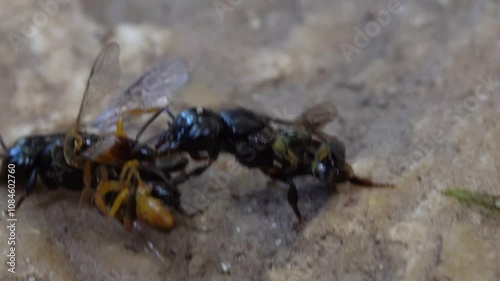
column 412, row 111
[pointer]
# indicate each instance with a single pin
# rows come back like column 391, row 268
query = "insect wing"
column 101, row 148
column 102, row 83
column 317, row 116
column 152, row 91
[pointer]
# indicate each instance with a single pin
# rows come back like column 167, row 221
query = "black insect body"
column 281, row 149
column 41, row 157
column 204, row 133
column 301, row 151
column 198, row 131
column 144, row 199
column 98, row 157
column 248, row 136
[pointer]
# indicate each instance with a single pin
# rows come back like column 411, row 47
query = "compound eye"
column 78, row 142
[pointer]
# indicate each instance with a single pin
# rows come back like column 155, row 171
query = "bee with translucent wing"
column 281, row 149
column 103, row 141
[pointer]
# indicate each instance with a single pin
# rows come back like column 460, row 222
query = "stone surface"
column 418, row 105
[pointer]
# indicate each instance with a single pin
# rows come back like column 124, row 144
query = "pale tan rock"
column 410, row 82
column 465, row 256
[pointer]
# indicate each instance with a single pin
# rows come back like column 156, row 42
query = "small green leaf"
column 484, row 201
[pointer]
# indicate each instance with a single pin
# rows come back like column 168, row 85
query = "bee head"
column 73, row 144
column 329, row 165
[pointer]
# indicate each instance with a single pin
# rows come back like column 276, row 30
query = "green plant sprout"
column 484, row 201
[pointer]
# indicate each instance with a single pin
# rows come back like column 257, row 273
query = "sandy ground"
column 418, row 100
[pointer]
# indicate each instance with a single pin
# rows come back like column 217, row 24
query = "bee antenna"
column 151, row 119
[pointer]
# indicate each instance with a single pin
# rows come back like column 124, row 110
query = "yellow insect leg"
column 86, row 197
column 103, row 189
column 119, row 127
column 129, row 170
column 99, row 197
column 123, row 196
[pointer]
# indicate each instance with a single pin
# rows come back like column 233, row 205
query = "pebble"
column 226, row 267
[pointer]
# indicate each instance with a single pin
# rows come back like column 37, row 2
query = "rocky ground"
column 417, row 93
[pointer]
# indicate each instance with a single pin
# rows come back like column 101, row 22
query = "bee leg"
column 195, row 172
column 29, row 188
column 103, row 189
column 128, row 223
column 352, row 178
column 87, row 193
column 2, row 143
column 153, row 168
column 129, row 171
column 123, row 196
column 131, row 212
column 114, row 186
column 293, row 199
column 119, row 127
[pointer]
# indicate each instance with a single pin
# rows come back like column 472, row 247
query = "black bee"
column 297, row 152
column 113, row 148
column 93, row 155
column 40, row 156
column 281, row 149
column 204, row 133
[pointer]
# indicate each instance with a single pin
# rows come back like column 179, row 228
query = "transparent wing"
column 102, row 83
column 317, row 116
column 150, row 92
column 100, row 148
